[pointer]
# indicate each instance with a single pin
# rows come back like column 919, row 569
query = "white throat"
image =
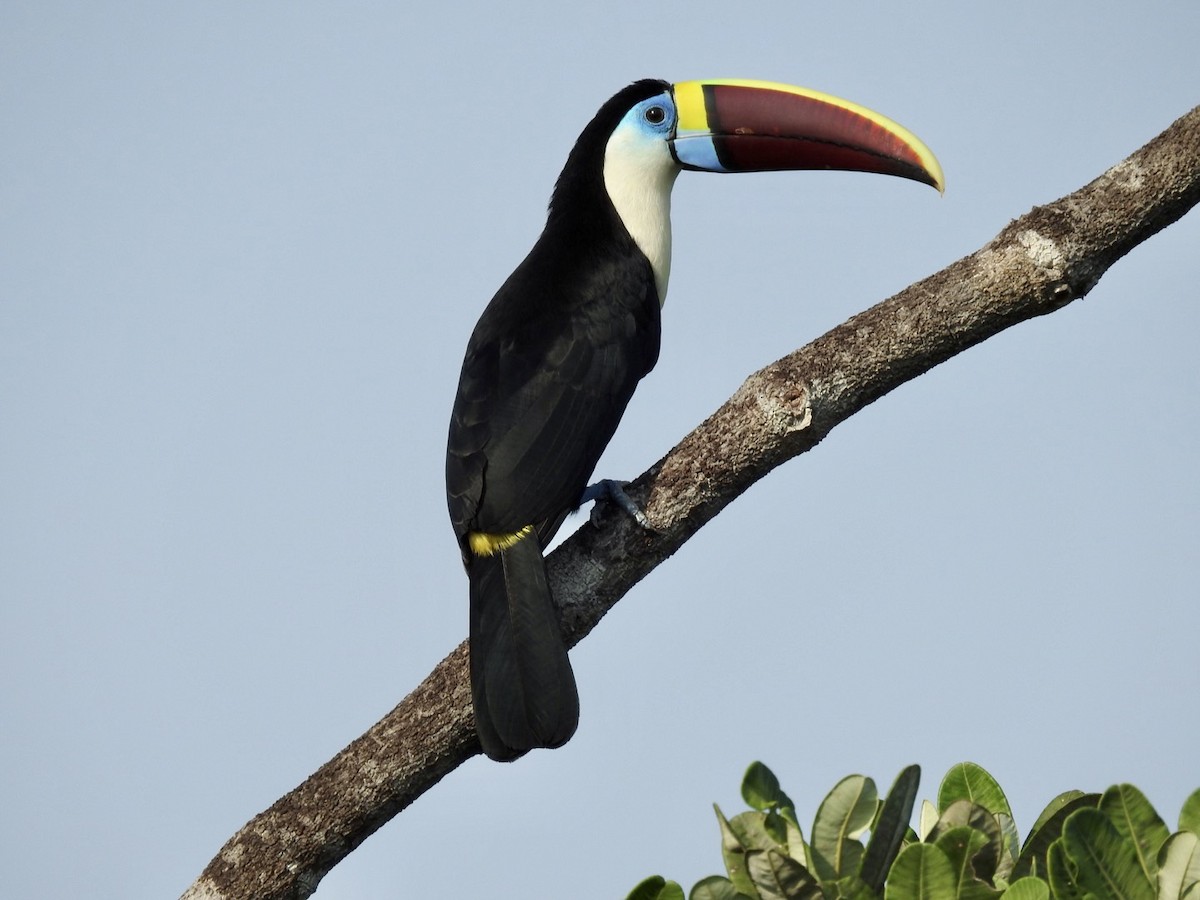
column 639, row 175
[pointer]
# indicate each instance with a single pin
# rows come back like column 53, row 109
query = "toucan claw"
column 609, row 490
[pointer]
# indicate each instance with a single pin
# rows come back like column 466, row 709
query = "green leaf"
column 1189, row 816
column 968, row 781
column 755, row 831
column 1136, row 820
column 760, row 787
column 1178, row 865
column 964, row 812
column 1107, row 863
column 796, row 848
column 889, row 829
column 845, row 812
column 1052, row 809
column 929, row 817
column 1027, row 889
column 849, row 888
column 1010, row 843
column 656, row 888
column 1047, row 830
column 775, row 826
column 1063, row 875
column 733, row 852
column 714, row 887
column 961, row 846
column 647, row 889
column 921, row 872
column 779, row 877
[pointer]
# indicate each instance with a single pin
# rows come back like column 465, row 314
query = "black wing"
column 548, row 373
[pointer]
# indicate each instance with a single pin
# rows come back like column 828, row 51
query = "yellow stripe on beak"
column 689, row 107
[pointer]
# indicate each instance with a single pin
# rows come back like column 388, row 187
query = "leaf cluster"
column 1109, row 846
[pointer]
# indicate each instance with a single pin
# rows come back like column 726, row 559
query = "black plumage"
column 549, row 370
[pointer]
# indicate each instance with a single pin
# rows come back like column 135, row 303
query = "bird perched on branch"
column 558, row 351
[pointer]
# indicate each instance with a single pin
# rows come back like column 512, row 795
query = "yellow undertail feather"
column 484, row 544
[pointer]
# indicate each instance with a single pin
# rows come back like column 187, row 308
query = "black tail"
column 521, row 679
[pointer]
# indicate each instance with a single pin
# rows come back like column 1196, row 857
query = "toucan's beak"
column 732, row 125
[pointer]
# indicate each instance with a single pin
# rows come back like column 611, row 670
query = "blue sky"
column 242, row 249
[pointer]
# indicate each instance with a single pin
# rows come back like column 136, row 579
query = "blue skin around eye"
column 693, row 150
column 636, row 117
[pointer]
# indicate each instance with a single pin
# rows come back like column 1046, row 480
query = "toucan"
column 560, row 348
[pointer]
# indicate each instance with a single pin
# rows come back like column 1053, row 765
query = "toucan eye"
column 656, row 115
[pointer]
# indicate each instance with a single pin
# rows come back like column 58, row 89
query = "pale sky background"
column 241, row 249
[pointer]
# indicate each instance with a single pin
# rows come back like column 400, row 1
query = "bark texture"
column 1037, row 264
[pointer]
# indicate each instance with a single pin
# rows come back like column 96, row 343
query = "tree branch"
column 1039, row 263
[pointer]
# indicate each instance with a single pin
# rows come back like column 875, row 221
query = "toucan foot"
column 613, row 491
